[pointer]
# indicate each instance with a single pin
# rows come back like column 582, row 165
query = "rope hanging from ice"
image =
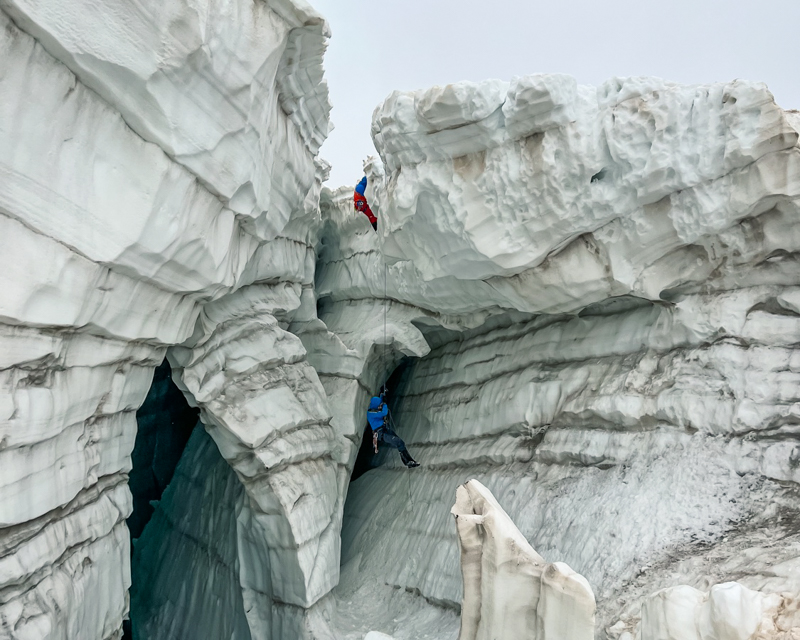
column 385, row 313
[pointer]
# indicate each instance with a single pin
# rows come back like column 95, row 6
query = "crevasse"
column 594, row 295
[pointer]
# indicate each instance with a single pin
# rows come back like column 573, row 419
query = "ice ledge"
column 501, row 180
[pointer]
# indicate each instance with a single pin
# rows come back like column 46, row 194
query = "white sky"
column 382, row 45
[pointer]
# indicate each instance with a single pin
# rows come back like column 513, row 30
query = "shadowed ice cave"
column 165, row 422
column 183, row 524
column 596, row 291
column 367, row 459
column 185, row 566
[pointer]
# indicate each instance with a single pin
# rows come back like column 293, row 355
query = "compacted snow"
column 590, row 297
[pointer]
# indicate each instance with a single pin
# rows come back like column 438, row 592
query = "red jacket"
column 361, row 205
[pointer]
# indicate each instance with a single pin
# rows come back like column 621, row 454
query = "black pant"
column 385, row 434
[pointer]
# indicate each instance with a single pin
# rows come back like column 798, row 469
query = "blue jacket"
column 361, row 187
column 376, row 413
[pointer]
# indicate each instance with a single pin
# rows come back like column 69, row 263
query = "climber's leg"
column 405, row 456
column 393, row 440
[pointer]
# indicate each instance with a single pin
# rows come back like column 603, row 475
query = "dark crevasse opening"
column 185, row 580
column 366, row 458
column 165, row 423
column 185, row 568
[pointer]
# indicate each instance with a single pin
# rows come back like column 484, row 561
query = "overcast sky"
column 382, row 45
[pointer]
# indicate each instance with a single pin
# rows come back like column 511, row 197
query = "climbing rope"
column 385, row 313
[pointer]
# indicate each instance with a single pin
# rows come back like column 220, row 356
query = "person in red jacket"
column 360, row 202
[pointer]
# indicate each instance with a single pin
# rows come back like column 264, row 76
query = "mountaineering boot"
column 405, row 456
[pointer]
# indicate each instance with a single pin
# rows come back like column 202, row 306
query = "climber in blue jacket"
column 377, row 417
column 360, row 202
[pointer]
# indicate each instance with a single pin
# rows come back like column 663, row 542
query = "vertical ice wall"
column 618, row 265
column 155, row 159
column 630, row 398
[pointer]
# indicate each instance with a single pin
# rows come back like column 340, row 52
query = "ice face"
column 608, row 299
column 593, row 292
column 139, row 146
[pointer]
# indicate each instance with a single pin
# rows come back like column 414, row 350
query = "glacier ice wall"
column 158, row 179
column 597, row 288
column 607, row 280
column 546, row 210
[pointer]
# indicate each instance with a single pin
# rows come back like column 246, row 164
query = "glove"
column 375, row 441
